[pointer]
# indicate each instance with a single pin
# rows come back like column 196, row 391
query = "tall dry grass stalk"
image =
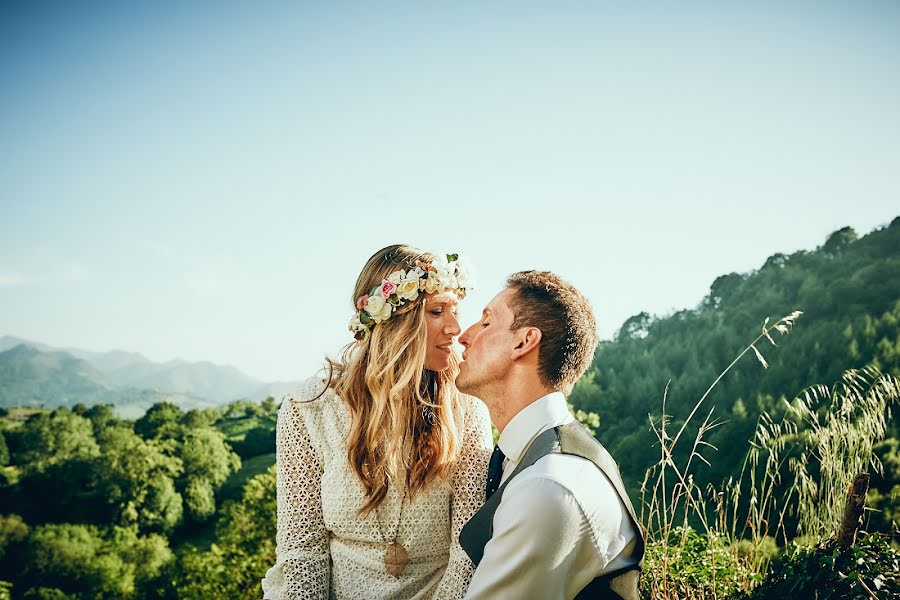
column 667, row 512
column 842, row 426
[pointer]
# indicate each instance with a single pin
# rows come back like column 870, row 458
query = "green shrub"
column 13, row 531
column 870, row 568
column 695, row 565
column 85, row 561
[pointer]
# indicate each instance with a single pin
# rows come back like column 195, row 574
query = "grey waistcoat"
column 571, row 438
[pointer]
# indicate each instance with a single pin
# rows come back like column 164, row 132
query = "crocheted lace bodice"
column 326, row 550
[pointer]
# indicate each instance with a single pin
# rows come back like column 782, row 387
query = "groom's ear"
column 528, row 339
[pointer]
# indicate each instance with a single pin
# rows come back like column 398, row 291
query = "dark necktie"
column 495, row 470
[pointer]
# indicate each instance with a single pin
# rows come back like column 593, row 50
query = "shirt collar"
column 545, row 412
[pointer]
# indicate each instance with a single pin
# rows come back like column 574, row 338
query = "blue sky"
column 205, row 181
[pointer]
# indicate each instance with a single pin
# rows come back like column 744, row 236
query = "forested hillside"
column 849, row 292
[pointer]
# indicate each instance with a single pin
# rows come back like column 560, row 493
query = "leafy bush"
column 13, row 531
column 208, row 461
column 869, row 569
column 85, row 560
column 694, row 565
column 49, row 439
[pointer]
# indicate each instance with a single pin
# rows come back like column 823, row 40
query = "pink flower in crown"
column 387, row 288
column 361, row 301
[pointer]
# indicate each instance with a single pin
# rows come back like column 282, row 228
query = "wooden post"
column 853, row 510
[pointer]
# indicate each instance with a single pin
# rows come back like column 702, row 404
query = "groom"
column 557, row 522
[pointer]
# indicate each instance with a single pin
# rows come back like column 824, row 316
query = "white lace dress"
column 325, row 550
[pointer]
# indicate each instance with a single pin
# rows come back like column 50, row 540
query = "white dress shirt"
column 560, row 522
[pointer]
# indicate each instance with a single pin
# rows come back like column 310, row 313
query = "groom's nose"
column 464, row 339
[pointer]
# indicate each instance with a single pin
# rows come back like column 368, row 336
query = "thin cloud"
column 11, row 280
column 71, row 273
column 208, row 285
column 154, row 247
column 60, row 275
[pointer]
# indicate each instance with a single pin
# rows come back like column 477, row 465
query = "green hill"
column 849, row 292
column 31, row 377
column 130, row 370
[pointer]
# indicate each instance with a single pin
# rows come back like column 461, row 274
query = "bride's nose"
column 452, row 327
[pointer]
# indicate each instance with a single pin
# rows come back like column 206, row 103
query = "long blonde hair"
column 406, row 420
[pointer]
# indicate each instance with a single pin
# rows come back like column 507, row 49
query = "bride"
column 381, row 463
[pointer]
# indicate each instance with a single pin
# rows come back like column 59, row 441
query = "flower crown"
column 402, row 287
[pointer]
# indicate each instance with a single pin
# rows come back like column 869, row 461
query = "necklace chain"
column 399, row 520
column 395, row 555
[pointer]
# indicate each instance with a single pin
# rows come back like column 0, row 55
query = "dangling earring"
column 428, row 416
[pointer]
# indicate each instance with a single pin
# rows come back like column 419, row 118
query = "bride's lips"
column 446, row 347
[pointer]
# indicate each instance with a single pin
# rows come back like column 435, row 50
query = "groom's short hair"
column 568, row 330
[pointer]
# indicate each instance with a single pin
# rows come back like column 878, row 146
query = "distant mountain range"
column 35, row 374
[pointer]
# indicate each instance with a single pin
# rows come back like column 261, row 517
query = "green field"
column 235, row 430
column 251, row 467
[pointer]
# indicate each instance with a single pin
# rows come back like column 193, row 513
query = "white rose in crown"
column 408, row 289
column 397, row 277
column 441, row 265
column 432, row 285
column 378, row 308
column 443, row 272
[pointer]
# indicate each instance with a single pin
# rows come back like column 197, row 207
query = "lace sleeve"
column 302, row 565
column 467, row 482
